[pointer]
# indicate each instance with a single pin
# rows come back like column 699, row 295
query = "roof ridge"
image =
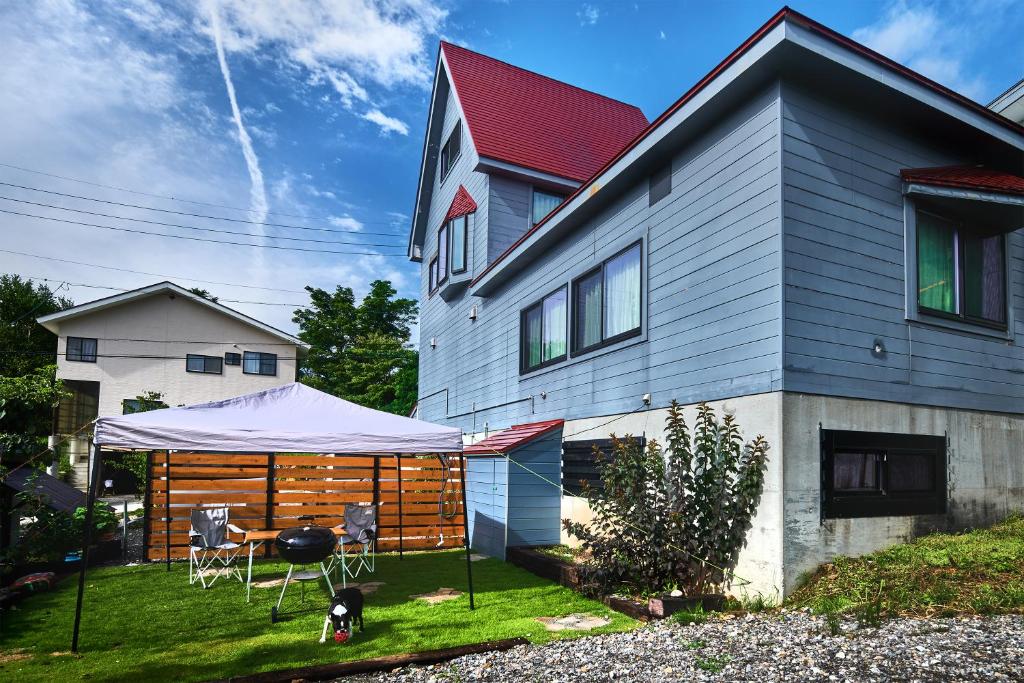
column 544, row 76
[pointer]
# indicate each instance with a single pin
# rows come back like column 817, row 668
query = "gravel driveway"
column 786, row 646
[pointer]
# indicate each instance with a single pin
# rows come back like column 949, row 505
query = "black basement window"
column 232, row 358
column 580, row 463
column 874, row 474
column 81, row 349
column 210, row 365
column 254, row 363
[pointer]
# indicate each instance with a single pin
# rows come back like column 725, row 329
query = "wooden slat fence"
column 271, row 491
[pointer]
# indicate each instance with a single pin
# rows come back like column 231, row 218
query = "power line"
column 403, row 353
column 191, row 227
column 179, row 199
column 124, row 289
column 193, row 215
column 196, row 239
column 143, row 272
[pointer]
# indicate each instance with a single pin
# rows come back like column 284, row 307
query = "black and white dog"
column 346, row 609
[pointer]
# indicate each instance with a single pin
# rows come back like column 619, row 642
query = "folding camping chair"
column 210, row 549
column 359, row 539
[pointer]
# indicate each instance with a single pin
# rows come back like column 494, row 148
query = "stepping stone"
column 269, row 583
column 440, row 595
column 367, row 588
column 476, row 557
column 574, row 622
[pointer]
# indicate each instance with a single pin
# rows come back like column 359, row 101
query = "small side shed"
column 513, row 492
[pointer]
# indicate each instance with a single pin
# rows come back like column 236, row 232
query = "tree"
column 28, row 402
column 199, row 291
column 360, row 352
column 25, row 344
column 674, row 518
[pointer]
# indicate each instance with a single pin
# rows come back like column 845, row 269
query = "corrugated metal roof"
column 966, row 177
column 60, row 496
column 529, row 120
column 461, row 205
column 509, row 439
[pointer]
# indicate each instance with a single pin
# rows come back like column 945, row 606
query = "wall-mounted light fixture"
column 878, row 348
column 433, row 342
column 472, row 312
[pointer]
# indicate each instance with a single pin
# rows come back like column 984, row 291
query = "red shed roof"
column 509, row 439
column 966, row 177
column 529, row 120
column 461, row 205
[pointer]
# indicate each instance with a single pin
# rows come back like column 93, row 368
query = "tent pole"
column 167, row 509
column 92, row 474
column 401, row 531
column 465, row 529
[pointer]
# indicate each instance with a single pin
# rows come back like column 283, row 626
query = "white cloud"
column 932, row 40
column 388, row 124
column 346, row 222
column 588, row 14
column 661, row 35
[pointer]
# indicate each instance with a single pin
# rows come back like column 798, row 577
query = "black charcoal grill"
column 304, row 545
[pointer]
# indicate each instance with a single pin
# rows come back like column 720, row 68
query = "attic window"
column 450, row 151
column 544, row 203
column 660, row 184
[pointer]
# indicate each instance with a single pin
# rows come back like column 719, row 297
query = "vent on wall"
column 579, row 463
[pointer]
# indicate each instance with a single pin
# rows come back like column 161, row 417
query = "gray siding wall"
column 712, row 297
column 509, row 214
column 534, row 492
column 486, row 492
column 844, row 259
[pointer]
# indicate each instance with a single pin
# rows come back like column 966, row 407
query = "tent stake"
column 401, row 532
column 465, row 529
column 92, row 474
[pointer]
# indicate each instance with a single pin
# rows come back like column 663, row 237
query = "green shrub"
column 673, row 517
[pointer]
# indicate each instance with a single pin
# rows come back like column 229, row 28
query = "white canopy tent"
column 292, row 418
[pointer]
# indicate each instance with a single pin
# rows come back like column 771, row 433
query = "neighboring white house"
column 161, row 338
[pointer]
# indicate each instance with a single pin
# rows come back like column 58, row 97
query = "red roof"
column 966, row 177
column 529, row 120
column 461, row 205
column 509, row 439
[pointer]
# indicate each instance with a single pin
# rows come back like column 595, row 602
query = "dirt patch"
column 440, row 595
column 9, row 656
column 368, row 588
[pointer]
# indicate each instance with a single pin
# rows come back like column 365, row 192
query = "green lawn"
column 978, row 572
column 143, row 623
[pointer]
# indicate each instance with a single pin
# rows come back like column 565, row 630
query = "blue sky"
column 132, row 98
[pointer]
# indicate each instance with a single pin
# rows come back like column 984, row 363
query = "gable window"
column 543, row 331
column 432, row 275
column 606, row 301
column 442, row 254
column 81, row 349
column 210, row 365
column 961, row 274
column 660, row 185
column 451, row 149
column 544, row 203
column 869, row 474
column 460, row 237
column 255, row 363
column 232, row 358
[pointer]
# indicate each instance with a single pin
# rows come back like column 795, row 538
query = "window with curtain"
column 872, row 474
column 81, row 349
column 544, row 203
column 209, row 365
column 255, row 363
column 460, row 237
column 544, row 331
column 606, row 301
column 442, row 254
column 960, row 274
column 432, row 275
column 450, row 150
